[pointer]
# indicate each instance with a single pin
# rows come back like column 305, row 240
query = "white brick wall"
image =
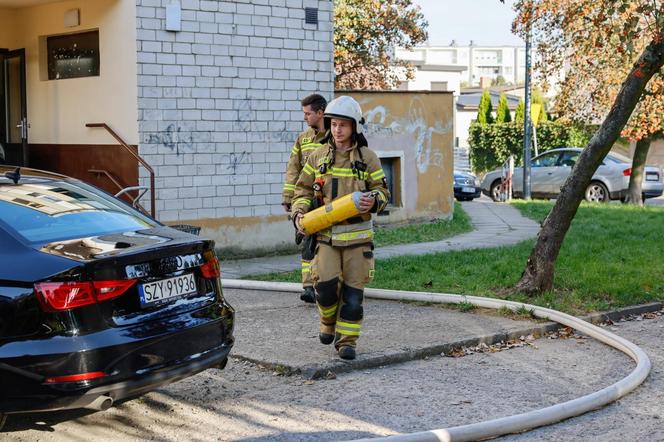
column 219, row 101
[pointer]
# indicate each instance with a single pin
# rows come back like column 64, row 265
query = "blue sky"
column 486, row 22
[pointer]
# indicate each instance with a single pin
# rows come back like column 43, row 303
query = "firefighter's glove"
column 297, row 219
column 367, row 202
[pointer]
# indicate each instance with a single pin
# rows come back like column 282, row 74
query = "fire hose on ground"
column 509, row 424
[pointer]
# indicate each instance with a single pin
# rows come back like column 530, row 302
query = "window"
column 546, row 160
column 44, row 212
column 568, row 159
column 392, row 168
column 439, row 85
column 73, row 55
column 616, row 158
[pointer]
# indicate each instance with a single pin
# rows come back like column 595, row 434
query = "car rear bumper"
column 459, row 193
column 652, row 189
column 84, row 397
column 135, row 359
column 648, row 190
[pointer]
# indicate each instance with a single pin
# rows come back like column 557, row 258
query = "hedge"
column 492, row 144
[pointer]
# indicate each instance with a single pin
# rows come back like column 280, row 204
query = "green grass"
column 424, row 232
column 613, row 256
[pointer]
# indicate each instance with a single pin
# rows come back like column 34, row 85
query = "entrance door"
column 14, row 114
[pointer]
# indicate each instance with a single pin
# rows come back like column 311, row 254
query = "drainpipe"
column 518, row 422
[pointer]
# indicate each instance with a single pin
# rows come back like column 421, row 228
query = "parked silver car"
column 550, row 169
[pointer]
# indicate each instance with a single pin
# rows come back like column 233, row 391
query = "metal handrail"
column 140, row 194
column 123, row 190
column 136, row 156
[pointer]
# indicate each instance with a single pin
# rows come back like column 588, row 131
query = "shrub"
column 485, row 109
column 492, row 144
column 503, row 110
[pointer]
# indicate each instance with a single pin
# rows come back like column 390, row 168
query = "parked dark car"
column 99, row 302
column 465, row 186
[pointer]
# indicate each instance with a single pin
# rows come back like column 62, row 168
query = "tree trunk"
column 537, row 277
column 638, row 168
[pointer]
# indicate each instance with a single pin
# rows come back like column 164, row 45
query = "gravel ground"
column 246, row 402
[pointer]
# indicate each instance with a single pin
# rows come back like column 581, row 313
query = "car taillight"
column 111, row 289
column 59, row 296
column 627, row 172
column 75, row 377
column 211, row 268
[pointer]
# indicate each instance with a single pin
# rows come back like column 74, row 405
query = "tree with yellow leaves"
column 570, row 33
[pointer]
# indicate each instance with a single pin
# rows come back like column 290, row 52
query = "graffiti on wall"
column 414, row 124
column 172, row 138
column 246, row 114
column 234, row 160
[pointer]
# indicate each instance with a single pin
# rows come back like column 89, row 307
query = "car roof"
column 562, row 149
column 31, row 173
column 615, row 155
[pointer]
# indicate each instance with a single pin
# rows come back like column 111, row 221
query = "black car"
column 465, row 186
column 98, row 302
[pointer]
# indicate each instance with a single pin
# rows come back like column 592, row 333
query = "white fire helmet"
column 346, row 108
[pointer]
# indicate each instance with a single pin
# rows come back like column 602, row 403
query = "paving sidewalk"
column 494, row 225
column 277, row 330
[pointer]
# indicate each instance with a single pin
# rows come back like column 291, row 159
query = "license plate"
column 652, row 177
column 468, row 189
column 158, row 292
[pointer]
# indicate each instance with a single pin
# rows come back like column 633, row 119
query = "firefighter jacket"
column 306, row 143
column 341, row 173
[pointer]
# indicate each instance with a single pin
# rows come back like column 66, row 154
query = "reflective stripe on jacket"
column 340, row 179
column 306, row 143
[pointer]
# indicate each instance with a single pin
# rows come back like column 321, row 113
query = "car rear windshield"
column 616, row 158
column 41, row 211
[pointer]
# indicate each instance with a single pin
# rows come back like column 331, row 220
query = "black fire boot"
column 309, row 295
column 346, row 352
column 325, row 338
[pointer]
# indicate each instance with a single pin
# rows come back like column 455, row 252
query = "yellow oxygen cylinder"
column 325, row 216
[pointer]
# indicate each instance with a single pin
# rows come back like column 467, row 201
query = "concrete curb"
column 339, row 366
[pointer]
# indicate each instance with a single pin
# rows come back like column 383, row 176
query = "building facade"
column 220, row 108
column 207, row 93
column 474, row 62
column 197, row 102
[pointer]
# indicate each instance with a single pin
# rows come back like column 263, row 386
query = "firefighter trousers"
column 308, row 251
column 340, row 275
column 307, row 280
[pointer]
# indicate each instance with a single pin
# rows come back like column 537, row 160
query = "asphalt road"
column 247, row 403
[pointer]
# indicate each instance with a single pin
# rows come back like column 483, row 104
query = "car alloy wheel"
column 497, row 191
column 597, row 193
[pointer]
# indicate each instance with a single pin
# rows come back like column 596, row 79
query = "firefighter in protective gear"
column 313, row 107
column 344, row 261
